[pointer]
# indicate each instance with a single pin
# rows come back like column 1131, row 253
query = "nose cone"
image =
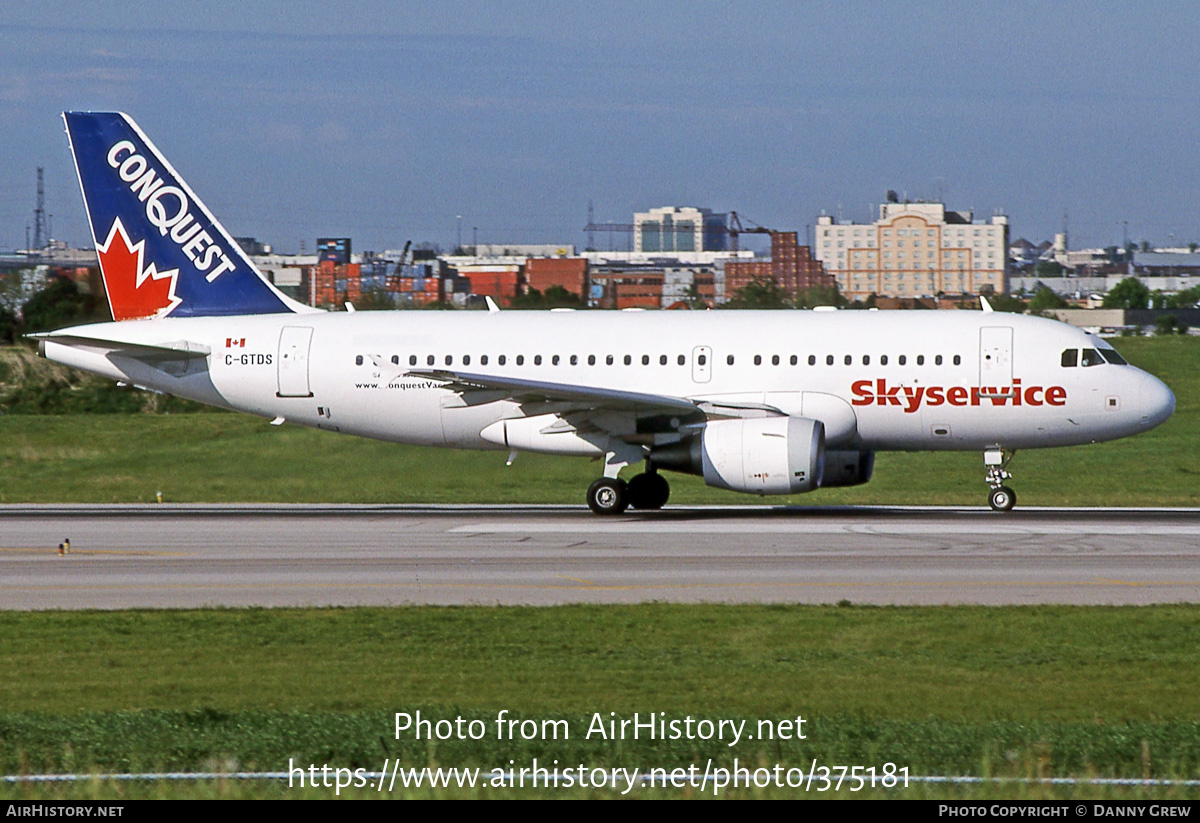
column 1156, row 400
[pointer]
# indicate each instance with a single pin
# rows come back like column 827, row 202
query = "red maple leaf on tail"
column 133, row 291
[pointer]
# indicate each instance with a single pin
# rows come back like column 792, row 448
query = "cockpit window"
column 1091, row 357
column 1070, row 358
column 1112, row 356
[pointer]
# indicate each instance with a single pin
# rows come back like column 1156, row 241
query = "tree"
column 1168, row 324
column 1046, row 299
column 1186, row 299
column 1007, row 302
column 61, row 303
column 1048, row 268
column 819, row 296
column 1130, row 293
column 759, row 293
column 555, row 297
column 8, row 326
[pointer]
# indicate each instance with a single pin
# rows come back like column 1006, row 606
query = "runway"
column 191, row 556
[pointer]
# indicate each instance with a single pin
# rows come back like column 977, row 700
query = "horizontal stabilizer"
column 174, row 350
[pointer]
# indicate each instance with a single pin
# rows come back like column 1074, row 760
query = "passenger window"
column 1091, row 357
column 537, row 360
column 483, row 359
column 957, row 360
column 758, row 359
column 848, row 359
column 774, row 360
column 902, row 359
column 883, row 359
column 937, row 361
column 554, row 360
column 395, row 360
column 729, row 360
column 682, row 359
column 502, row 359
column 812, row 360
column 866, row 359
column 520, row 360
column 628, row 360
column 449, row 360
column 1070, row 358
column 662, row 360
column 645, row 360
column 702, row 359
column 591, row 359
column 358, row 360
column 920, row 360
column 466, row 359
column 412, row 360
column 795, row 360
column 609, row 360
column 429, row 360
column 574, row 360
column 829, row 360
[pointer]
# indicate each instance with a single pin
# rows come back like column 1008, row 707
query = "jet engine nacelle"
column 763, row 455
column 847, row 468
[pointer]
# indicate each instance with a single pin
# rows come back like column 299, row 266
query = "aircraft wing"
column 543, row 391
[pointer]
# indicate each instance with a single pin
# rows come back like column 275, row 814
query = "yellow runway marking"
column 576, row 579
column 1121, row 582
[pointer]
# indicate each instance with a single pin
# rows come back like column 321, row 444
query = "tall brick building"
column 792, row 267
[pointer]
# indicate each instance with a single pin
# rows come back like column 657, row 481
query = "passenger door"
column 294, row 343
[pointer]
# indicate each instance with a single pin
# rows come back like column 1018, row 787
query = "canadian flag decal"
column 134, row 291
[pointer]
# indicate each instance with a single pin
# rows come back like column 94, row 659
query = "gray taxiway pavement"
column 189, row 556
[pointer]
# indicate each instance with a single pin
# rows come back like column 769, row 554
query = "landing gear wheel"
column 1002, row 499
column 648, row 491
column 607, row 496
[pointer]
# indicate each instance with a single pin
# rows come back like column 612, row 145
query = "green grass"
column 1008, row 691
column 1058, row 663
column 226, row 457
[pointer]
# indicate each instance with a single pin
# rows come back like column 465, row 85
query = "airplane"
column 762, row 402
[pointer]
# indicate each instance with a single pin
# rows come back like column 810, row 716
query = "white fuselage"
column 956, row 380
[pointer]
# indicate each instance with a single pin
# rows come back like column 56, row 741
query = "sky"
column 386, row 121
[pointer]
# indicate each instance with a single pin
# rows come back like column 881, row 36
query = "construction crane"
column 736, row 228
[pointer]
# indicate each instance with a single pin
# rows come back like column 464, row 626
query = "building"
column 791, row 266
column 672, row 229
column 691, row 287
column 570, row 273
column 915, row 249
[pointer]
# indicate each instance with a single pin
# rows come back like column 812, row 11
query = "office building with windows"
column 914, row 250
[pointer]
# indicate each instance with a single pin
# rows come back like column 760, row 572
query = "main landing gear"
column 1001, row 498
column 611, row 495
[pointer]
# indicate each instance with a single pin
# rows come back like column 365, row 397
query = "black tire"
column 607, row 496
column 1002, row 499
column 648, row 491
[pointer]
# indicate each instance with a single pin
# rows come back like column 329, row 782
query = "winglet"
column 984, row 304
column 491, row 304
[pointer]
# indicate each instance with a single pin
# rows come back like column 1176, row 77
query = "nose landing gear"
column 1001, row 498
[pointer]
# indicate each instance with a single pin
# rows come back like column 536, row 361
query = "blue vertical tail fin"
column 161, row 251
